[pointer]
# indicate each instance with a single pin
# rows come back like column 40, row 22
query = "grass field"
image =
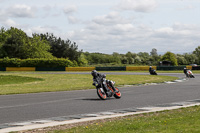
column 25, row 82
column 185, row 120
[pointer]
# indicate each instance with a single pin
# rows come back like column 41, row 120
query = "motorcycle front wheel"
column 117, row 94
column 101, row 94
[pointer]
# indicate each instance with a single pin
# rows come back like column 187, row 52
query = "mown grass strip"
column 185, row 120
column 13, row 79
column 68, row 82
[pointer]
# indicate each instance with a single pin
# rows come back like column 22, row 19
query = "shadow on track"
column 95, row 99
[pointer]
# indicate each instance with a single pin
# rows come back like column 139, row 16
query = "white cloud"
column 187, row 7
column 20, row 11
column 45, row 29
column 110, row 19
column 124, row 27
column 127, row 37
column 73, row 20
column 10, row 23
column 70, row 9
column 40, row 29
column 2, row 0
column 137, row 5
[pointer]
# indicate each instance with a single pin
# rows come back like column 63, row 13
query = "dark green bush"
column 55, row 62
column 13, row 62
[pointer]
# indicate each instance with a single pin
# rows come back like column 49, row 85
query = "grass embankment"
column 22, row 82
column 185, row 120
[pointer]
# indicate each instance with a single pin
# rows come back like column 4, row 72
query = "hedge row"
column 56, row 62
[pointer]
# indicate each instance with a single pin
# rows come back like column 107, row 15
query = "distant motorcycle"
column 153, row 72
column 101, row 91
column 190, row 74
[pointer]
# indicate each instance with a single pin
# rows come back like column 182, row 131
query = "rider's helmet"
column 94, row 73
column 104, row 75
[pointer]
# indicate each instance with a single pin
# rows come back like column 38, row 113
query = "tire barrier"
column 111, row 68
column 129, row 68
column 20, row 68
column 166, row 68
column 2, row 68
column 195, row 67
column 50, row 69
column 79, row 68
column 139, row 68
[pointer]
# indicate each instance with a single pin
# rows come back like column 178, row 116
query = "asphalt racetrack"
column 29, row 107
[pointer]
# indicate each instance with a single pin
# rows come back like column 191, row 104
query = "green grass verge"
column 67, row 82
column 12, row 79
column 185, row 120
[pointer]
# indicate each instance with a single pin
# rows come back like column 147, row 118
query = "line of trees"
column 143, row 58
column 15, row 43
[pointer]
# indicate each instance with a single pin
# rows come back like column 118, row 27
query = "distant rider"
column 150, row 69
column 185, row 71
column 98, row 79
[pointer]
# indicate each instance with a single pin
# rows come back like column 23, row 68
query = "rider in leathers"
column 98, row 79
column 185, row 71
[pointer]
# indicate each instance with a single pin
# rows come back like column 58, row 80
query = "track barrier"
column 128, row 68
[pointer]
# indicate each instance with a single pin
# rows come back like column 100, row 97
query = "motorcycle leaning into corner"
column 105, row 88
column 152, row 71
column 188, row 73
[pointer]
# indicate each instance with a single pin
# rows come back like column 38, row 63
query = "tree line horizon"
column 15, row 43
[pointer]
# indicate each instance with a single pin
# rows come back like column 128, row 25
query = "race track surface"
column 29, row 107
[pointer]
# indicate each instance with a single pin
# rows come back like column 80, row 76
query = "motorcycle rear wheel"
column 117, row 94
column 101, row 94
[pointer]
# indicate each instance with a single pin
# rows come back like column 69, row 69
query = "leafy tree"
column 168, row 56
column 130, row 58
column 144, row 57
column 35, row 48
column 137, row 60
column 14, row 43
column 61, row 48
column 181, row 59
column 82, row 60
column 13, row 40
column 190, row 58
column 124, row 60
column 116, row 57
column 3, row 36
column 197, row 53
column 155, row 58
column 154, row 52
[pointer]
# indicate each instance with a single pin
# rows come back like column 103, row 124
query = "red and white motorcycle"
column 190, row 74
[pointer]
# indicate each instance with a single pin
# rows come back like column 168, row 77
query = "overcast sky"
column 108, row 26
